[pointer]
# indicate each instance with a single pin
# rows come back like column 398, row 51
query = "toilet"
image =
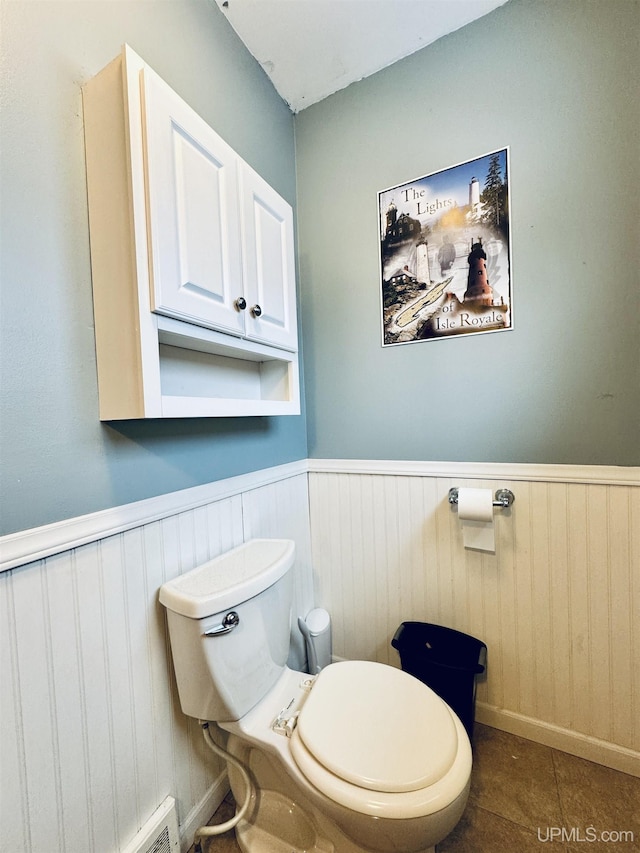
column 361, row 757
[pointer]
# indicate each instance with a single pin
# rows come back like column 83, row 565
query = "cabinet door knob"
column 240, row 303
column 256, row 310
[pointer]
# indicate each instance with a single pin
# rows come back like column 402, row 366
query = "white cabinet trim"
column 134, row 377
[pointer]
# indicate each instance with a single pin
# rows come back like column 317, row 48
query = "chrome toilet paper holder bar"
column 503, row 497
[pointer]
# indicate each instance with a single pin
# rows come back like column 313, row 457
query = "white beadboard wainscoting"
column 558, row 604
column 93, row 738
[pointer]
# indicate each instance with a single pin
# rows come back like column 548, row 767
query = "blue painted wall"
column 57, row 460
column 558, row 82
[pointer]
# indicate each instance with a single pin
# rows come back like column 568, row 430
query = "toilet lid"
column 377, row 727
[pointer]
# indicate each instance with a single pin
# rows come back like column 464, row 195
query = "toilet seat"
column 379, row 741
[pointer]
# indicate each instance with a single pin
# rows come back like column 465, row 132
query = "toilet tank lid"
column 230, row 579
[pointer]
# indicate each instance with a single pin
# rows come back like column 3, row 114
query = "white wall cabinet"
column 192, row 260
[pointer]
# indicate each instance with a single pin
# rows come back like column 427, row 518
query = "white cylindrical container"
column 316, row 629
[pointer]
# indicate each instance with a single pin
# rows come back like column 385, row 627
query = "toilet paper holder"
column 503, row 497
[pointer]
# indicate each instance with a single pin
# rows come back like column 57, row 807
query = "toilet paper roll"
column 475, row 510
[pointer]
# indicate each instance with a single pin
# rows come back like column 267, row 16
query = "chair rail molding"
column 36, row 543
column 26, row 546
column 610, row 475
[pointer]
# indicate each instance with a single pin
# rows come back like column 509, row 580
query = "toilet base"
column 252, row 838
column 282, row 827
column 281, row 819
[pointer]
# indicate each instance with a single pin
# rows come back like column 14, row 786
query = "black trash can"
column 447, row 661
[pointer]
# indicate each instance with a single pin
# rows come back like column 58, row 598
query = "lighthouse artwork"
column 445, row 256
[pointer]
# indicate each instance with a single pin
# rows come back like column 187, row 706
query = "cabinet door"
column 268, row 257
column 193, row 216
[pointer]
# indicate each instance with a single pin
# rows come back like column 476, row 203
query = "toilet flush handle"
column 230, row 621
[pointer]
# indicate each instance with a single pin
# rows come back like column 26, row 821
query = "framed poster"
column 445, row 255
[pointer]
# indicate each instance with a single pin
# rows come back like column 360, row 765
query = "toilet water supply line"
column 218, row 829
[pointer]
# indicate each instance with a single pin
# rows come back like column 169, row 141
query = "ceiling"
column 312, row 48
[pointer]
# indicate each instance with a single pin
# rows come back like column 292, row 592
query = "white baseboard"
column 583, row 746
column 201, row 813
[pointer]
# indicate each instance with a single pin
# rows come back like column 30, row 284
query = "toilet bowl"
column 364, row 743
column 362, row 757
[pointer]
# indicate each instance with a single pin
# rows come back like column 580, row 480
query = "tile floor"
column 526, row 797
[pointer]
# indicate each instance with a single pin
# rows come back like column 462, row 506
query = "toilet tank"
column 229, row 627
